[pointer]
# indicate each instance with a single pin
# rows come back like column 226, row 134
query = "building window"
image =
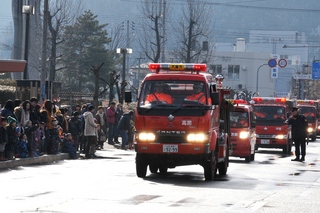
column 216, row 69
column 234, row 72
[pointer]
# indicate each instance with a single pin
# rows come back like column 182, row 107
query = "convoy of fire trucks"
column 191, row 122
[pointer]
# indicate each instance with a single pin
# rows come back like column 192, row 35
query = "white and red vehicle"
column 243, row 130
column 185, row 132
column 309, row 110
column 271, row 129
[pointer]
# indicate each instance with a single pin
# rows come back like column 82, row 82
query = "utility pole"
column 44, row 52
column 139, row 70
column 164, row 32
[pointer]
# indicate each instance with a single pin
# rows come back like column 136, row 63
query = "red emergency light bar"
column 311, row 102
column 156, row 67
column 269, row 99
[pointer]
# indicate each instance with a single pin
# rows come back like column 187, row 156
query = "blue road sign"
column 272, row 62
column 316, row 70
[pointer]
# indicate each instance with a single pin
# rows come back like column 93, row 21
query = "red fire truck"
column 182, row 130
column 243, row 131
column 309, row 110
column 271, row 129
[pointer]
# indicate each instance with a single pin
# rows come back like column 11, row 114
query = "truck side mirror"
column 215, row 98
column 128, row 97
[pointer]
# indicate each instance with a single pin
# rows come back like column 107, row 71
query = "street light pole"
column 44, row 53
column 257, row 93
column 123, row 51
column 27, row 10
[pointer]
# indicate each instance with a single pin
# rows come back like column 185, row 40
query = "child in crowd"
column 22, row 147
column 3, row 137
column 68, row 146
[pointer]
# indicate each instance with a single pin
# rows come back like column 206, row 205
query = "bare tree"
column 194, row 32
column 62, row 13
column 152, row 35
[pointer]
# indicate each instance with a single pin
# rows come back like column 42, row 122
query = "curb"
column 33, row 160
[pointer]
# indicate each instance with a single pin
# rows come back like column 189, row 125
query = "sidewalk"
column 44, row 159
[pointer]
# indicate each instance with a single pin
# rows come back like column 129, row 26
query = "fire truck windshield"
column 269, row 115
column 171, row 95
column 309, row 113
column 239, row 119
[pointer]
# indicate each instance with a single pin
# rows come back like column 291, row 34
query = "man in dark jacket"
column 124, row 128
column 299, row 127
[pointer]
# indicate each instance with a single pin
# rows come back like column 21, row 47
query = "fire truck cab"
column 309, row 110
column 187, row 128
column 243, row 130
column 271, row 129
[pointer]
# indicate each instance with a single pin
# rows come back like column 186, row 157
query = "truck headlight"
column 310, row 129
column 244, row 135
column 281, row 137
column 146, row 136
column 197, row 137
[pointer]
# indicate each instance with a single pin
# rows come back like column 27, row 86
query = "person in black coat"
column 75, row 128
column 299, row 125
column 124, row 128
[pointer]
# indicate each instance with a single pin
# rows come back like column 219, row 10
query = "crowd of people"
column 30, row 130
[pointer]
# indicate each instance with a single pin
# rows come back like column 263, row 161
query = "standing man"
column 124, row 128
column 299, row 127
column 101, row 118
column 90, row 132
column 111, row 117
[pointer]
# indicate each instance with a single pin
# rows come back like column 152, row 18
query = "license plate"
column 265, row 141
column 170, row 148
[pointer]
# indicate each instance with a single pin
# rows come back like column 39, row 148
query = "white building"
column 240, row 63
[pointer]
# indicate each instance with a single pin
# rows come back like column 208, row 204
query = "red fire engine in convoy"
column 185, row 131
column 271, row 129
column 309, row 110
column 243, row 130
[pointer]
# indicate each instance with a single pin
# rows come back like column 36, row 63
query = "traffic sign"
column 316, row 70
column 274, row 72
column 272, row 62
column 282, row 63
column 302, row 76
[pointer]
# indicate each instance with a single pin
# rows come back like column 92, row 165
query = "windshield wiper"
column 160, row 105
column 190, row 106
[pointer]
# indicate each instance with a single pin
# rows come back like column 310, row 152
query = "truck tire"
column 141, row 166
column 223, row 166
column 210, row 167
column 247, row 159
column 287, row 148
column 153, row 168
column 163, row 170
column 313, row 137
column 252, row 156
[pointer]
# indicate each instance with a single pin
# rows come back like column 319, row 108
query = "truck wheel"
column 247, row 159
column 223, row 166
column 252, row 156
column 153, row 168
column 210, row 167
column 314, row 137
column 141, row 166
column 287, row 148
column 163, row 170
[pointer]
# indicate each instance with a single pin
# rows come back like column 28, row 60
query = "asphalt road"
column 272, row 183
